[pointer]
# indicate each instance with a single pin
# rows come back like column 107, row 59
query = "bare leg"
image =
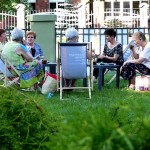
column 73, row 82
column 132, row 83
column 67, row 81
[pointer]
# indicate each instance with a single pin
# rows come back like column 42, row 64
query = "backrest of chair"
column 2, row 69
column 73, row 60
column 127, row 53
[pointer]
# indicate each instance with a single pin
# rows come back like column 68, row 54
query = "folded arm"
column 24, row 54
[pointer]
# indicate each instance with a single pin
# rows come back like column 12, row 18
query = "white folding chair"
column 72, row 63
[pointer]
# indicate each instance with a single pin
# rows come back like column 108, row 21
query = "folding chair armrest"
column 13, row 67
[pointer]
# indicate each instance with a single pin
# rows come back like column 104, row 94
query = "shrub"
column 24, row 124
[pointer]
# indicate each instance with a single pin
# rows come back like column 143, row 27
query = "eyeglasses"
column 30, row 37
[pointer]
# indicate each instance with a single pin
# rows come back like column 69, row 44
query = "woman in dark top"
column 112, row 53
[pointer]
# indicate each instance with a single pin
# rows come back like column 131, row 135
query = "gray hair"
column 71, row 33
column 17, row 34
column 140, row 35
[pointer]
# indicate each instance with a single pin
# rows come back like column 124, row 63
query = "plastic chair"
column 72, row 63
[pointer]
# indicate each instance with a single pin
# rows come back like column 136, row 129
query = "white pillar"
column 20, row 16
column 82, row 16
column 98, row 12
column 143, row 14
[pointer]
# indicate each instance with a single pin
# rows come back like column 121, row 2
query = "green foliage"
column 114, row 119
column 9, row 5
column 23, row 124
column 115, row 127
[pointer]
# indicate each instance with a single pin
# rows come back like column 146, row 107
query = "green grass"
column 114, row 119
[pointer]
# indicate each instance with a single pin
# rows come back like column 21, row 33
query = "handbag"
column 142, row 83
column 50, row 83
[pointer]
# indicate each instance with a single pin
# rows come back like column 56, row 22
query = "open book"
column 36, row 57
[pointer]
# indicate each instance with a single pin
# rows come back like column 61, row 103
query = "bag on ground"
column 50, row 83
column 142, row 83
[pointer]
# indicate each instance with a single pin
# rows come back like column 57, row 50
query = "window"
column 136, row 6
column 107, row 6
column 126, row 5
column 116, row 8
column 61, row 5
column 52, row 5
column 116, row 4
column 126, row 8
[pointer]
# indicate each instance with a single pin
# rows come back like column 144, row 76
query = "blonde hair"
column 32, row 33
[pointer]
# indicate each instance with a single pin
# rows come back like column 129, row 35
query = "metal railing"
column 67, row 18
column 97, row 37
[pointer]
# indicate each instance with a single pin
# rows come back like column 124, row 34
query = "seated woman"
column 141, row 61
column 17, row 54
column 34, row 48
column 3, row 39
column 112, row 53
column 72, row 36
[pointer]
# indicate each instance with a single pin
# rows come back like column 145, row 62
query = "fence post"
column 143, row 14
column 44, row 26
column 20, row 16
column 81, row 16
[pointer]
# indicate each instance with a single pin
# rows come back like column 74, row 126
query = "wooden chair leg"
column 61, row 85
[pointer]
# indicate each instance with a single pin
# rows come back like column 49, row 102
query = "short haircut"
column 110, row 32
column 2, row 31
column 32, row 33
column 17, row 34
column 140, row 35
column 71, row 33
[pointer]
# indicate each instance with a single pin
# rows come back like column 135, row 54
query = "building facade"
column 99, row 12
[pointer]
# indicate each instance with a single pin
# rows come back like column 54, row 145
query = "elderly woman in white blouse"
column 141, row 61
